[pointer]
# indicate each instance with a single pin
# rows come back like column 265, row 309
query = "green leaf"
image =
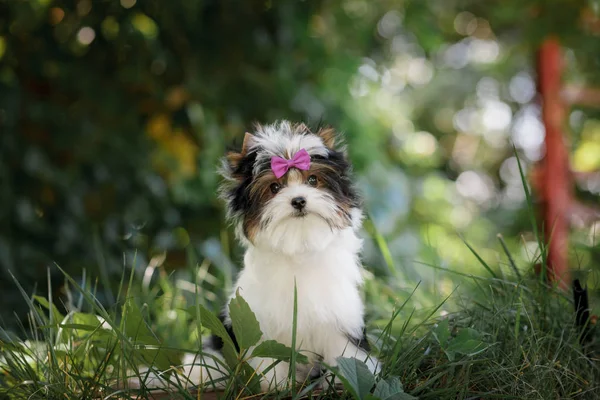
column 391, row 389
column 134, row 325
column 56, row 315
column 82, row 327
column 210, row 321
column 273, row 349
column 468, row 342
column 355, row 376
column 86, row 319
column 245, row 326
column 251, row 379
column 83, row 324
column 148, row 346
column 442, row 332
column 388, row 387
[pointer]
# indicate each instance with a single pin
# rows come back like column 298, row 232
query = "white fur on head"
column 289, row 234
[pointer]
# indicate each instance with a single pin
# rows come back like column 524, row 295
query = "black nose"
column 298, row 203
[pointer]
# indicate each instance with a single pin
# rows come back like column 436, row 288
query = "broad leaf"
column 245, row 326
column 467, row 342
column 56, row 315
column 273, row 349
column 442, row 332
column 82, row 327
column 391, row 389
column 87, row 319
column 210, row 321
column 85, row 324
column 251, row 380
column 355, row 376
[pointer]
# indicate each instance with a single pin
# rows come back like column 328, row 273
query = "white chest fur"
column 328, row 298
column 330, row 309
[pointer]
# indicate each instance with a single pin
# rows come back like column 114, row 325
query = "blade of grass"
column 383, row 247
column 518, row 316
column 481, row 260
column 98, row 308
column 123, row 321
column 102, row 267
column 511, row 261
column 293, row 346
column 531, row 212
column 386, row 333
column 434, row 310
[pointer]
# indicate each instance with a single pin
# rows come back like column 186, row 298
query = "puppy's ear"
column 328, row 136
column 234, row 157
column 248, row 142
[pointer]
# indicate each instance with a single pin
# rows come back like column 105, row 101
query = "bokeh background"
column 114, row 113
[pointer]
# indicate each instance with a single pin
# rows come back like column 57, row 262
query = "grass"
column 510, row 335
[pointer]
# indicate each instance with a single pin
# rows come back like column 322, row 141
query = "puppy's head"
column 301, row 210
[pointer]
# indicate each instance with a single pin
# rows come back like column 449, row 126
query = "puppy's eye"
column 312, row 180
column 275, row 187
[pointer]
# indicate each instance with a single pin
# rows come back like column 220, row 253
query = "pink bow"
column 280, row 166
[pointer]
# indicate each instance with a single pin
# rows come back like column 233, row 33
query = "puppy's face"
column 298, row 212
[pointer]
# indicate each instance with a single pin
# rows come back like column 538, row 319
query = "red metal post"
column 556, row 182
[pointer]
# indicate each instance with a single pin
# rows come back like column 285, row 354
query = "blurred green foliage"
column 114, row 113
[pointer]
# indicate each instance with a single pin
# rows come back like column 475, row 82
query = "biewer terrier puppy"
column 291, row 199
